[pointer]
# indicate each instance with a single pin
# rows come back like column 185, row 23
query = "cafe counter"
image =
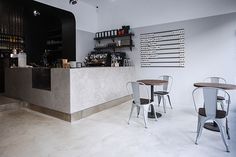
column 73, row 93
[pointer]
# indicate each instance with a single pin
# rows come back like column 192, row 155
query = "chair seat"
column 143, row 101
column 161, row 93
column 220, row 98
column 219, row 113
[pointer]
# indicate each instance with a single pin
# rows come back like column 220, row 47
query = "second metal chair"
column 164, row 91
column 140, row 102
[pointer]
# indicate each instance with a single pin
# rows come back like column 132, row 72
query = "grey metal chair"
column 164, row 91
column 220, row 96
column 139, row 102
column 207, row 110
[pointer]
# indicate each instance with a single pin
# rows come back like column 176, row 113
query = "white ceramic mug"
column 72, row 64
column 78, row 64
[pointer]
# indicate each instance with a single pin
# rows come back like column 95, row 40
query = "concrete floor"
column 25, row 133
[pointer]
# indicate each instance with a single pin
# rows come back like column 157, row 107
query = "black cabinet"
column 41, row 78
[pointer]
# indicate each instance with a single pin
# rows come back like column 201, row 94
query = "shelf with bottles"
column 54, row 40
column 115, row 44
column 8, row 42
column 59, row 50
column 114, row 36
column 9, row 38
column 121, row 38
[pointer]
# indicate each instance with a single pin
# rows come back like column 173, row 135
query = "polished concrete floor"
column 25, row 133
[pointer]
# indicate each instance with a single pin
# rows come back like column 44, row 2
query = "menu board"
column 162, row 49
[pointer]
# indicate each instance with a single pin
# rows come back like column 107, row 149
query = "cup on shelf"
column 115, row 32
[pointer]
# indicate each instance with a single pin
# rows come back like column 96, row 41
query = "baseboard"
column 101, row 107
column 80, row 114
column 50, row 112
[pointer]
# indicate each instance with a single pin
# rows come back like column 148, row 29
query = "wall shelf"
column 54, row 40
column 113, row 37
column 113, row 46
column 10, row 42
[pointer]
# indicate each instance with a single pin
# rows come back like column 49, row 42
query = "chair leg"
column 169, row 101
column 154, row 107
column 132, row 108
column 201, row 122
column 164, row 103
column 138, row 111
column 227, row 129
column 145, row 115
column 222, row 133
column 198, row 124
column 159, row 100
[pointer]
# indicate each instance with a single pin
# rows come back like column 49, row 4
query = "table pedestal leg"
column 151, row 114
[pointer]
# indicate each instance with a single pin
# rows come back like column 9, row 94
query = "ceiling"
column 92, row 2
column 97, row 2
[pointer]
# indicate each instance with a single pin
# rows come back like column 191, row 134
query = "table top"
column 153, row 82
column 216, row 85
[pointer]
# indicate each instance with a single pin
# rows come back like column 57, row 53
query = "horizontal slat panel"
column 162, row 49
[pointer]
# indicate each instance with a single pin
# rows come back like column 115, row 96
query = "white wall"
column 137, row 13
column 210, row 50
column 85, row 44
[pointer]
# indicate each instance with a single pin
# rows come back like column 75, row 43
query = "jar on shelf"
column 116, row 32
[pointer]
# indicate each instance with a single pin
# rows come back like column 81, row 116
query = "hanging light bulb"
column 73, row 2
column 36, row 13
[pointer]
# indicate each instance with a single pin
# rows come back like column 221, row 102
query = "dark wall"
column 36, row 28
column 35, row 36
column 35, row 31
column 49, row 18
column 68, row 32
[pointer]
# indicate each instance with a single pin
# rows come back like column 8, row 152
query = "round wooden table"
column 153, row 83
column 212, row 125
column 216, row 85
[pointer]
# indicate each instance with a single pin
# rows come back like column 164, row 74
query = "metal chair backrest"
column 136, row 91
column 210, row 100
column 167, row 86
column 215, row 80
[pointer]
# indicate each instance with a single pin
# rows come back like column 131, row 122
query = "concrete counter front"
column 75, row 93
